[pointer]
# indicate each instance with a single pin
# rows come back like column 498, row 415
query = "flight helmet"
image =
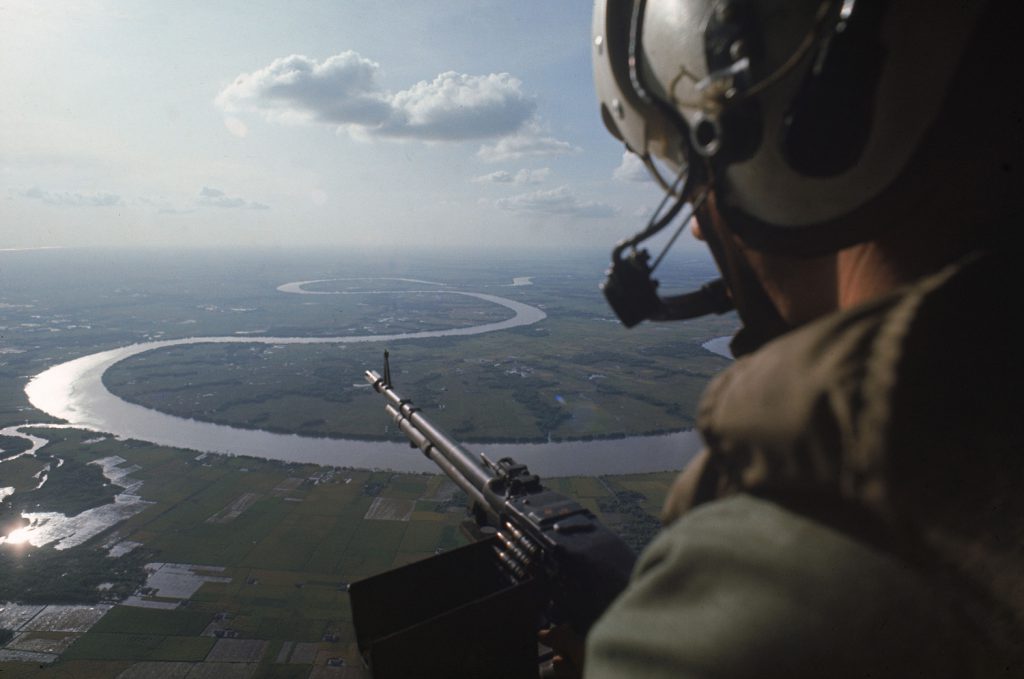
column 798, row 113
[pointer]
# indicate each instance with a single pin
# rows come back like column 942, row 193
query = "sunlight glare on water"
column 70, row 531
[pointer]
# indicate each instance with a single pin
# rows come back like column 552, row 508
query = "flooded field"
column 385, row 509
column 173, row 581
column 42, row 633
column 43, row 528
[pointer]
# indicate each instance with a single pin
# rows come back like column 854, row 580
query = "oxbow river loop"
column 74, row 391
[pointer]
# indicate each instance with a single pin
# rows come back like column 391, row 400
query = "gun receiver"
column 556, row 550
column 542, row 534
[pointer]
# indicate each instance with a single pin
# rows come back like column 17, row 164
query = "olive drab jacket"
column 858, row 510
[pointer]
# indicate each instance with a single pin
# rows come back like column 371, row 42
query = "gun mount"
column 549, row 561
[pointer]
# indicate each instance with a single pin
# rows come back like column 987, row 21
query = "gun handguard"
column 542, row 534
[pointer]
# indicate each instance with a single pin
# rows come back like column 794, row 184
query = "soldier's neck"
column 865, row 272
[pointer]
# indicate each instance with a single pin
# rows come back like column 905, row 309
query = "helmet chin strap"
column 761, row 319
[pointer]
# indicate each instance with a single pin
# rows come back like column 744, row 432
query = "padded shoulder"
column 741, row 587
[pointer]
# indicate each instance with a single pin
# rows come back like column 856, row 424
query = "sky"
column 311, row 124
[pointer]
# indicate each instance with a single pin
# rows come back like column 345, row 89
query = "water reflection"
column 15, row 432
column 720, row 346
column 70, row 531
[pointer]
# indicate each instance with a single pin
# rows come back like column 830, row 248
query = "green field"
column 288, row 555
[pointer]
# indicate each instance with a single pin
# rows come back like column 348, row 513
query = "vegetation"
column 636, row 526
column 100, row 646
column 70, row 488
column 579, row 382
column 46, row 575
column 11, row 445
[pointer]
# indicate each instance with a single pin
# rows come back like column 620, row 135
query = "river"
column 74, row 391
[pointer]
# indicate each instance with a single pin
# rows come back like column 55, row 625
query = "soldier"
column 857, row 170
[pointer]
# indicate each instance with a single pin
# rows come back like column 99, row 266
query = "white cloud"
column 527, row 143
column 217, row 198
column 73, row 199
column 455, row 106
column 631, row 169
column 341, row 90
column 559, row 201
column 236, row 126
column 344, row 90
column 163, row 206
column 524, row 176
column 499, row 177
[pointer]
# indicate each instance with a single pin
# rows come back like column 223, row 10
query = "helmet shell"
column 776, row 49
column 647, row 127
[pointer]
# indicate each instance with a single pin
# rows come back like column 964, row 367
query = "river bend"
column 74, row 391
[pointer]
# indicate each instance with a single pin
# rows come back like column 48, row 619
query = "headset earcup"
column 829, row 123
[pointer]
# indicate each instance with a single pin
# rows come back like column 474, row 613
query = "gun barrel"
column 543, row 533
column 417, row 439
column 455, row 460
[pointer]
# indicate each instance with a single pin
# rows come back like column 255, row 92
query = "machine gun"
column 475, row 611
